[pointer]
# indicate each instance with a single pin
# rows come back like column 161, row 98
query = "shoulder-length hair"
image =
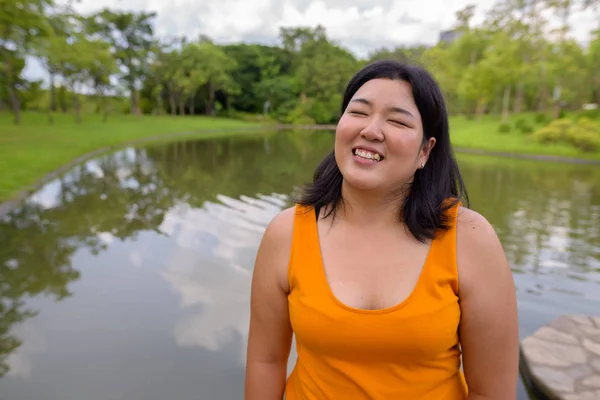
column 435, row 188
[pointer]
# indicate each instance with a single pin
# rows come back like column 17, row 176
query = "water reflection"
column 548, row 219
column 129, row 277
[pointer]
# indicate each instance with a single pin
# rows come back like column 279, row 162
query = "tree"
column 130, row 36
column 21, row 23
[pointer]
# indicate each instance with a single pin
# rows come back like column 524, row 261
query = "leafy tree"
column 22, row 22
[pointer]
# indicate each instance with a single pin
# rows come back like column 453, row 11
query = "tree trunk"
column 133, row 99
column 210, row 105
column 172, row 104
column 556, row 101
column 52, row 93
column 191, row 105
column 181, row 104
column 14, row 101
column 52, row 103
column 77, row 107
column 50, row 116
column 480, row 109
column 519, row 97
column 159, row 105
column 103, row 101
column 542, row 99
column 505, row 104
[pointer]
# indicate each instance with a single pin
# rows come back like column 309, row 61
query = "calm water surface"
column 128, row 278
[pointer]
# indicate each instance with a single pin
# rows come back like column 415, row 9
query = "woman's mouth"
column 367, row 155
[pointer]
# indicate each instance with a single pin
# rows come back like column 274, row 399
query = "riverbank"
column 484, row 136
column 35, row 148
column 37, row 151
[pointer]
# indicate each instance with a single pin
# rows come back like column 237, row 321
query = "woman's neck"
column 369, row 208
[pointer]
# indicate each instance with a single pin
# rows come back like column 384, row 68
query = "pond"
column 128, row 277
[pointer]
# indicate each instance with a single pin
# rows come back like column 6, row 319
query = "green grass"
column 35, row 148
column 483, row 135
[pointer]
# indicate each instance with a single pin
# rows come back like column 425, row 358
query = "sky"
column 359, row 25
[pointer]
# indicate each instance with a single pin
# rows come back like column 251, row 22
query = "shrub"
column 547, row 135
column 542, row 118
column 590, row 114
column 248, row 117
column 587, row 124
column 504, row 128
column 586, row 141
column 557, row 131
column 523, row 126
column 526, row 129
column 584, row 134
column 519, row 123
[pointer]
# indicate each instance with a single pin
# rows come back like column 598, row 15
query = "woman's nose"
column 372, row 131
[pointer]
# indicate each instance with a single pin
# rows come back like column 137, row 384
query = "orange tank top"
column 408, row 351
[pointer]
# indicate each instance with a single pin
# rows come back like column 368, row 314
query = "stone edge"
column 532, row 383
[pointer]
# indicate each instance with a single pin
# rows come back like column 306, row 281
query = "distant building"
column 450, row 36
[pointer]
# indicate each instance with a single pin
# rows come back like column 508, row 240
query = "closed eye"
column 399, row 123
column 358, row 113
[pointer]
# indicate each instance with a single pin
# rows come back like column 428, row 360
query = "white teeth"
column 367, row 154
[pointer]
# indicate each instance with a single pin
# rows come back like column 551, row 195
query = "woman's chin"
column 361, row 183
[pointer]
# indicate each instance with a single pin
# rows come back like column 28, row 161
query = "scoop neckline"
column 325, row 282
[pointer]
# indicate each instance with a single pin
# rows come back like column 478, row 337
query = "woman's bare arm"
column 270, row 333
column 489, row 323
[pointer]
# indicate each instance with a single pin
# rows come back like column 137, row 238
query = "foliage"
column 503, row 128
column 508, row 64
column 523, row 126
column 542, row 118
column 110, row 62
column 582, row 134
column 591, row 114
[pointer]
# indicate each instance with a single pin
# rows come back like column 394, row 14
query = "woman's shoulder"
column 479, row 252
column 281, row 226
column 275, row 247
column 474, row 228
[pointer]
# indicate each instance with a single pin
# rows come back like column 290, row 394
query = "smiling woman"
column 383, row 274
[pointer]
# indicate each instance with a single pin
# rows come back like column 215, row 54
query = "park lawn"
column 484, row 135
column 35, row 148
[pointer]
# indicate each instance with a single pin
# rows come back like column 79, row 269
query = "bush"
column 526, row 129
column 247, row 117
column 557, row 131
column 504, row 128
column 584, row 134
column 542, row 118
column 302, row 120
column 523, row 126
column 591, row 114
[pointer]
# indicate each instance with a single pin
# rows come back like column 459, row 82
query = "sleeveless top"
column 408, row 351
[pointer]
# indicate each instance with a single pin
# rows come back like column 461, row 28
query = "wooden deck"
column 561, row 360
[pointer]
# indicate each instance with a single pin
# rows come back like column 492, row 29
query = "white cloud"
column 34, row 343
column 211, row 269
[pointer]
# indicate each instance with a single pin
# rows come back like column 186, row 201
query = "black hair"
column 435, row 188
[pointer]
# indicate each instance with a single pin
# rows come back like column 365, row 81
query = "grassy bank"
column 29, row 151
column 484, row 135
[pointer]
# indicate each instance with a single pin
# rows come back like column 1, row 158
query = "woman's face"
column 379, row 138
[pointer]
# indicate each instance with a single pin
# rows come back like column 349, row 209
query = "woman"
column 385, row 279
